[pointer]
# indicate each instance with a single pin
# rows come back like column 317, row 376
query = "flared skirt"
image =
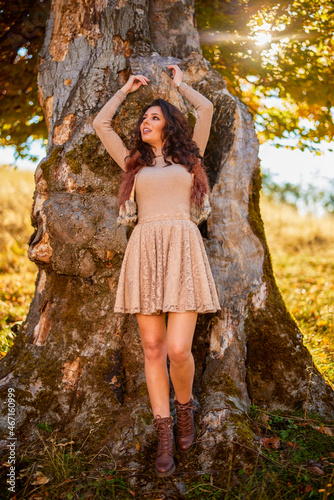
column 166, row 269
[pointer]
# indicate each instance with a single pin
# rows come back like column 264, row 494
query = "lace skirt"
column 166, row 268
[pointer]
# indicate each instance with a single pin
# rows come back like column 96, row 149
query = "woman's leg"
column 180, row 333
column 153, row 335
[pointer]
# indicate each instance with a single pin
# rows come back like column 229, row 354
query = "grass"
column 18, row 273
column 302, row 250
column 58, row 469
column 296, row 460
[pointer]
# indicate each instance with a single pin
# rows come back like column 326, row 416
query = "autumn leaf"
column 324, row 430
column 316, row 470
column 40, row 478
column 273, row 442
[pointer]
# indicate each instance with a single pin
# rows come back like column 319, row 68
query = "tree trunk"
column 74, row 363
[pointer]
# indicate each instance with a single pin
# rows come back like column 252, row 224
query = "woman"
column 165, row 267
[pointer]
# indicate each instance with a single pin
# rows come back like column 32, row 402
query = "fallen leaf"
column 137, row 446
column 40, row 479
column 331, row 453
column 293, row 445
column 273, row 442
column 323, row 430
column 308, row 488
column 317, row 470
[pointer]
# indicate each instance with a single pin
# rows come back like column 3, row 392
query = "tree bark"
column 75, row 364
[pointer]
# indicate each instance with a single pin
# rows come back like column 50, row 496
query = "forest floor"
column 296, row 460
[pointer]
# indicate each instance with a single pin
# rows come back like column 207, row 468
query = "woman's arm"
column 111, row 141
column 204, row 110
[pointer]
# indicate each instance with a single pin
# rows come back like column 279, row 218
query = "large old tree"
column 76, row 365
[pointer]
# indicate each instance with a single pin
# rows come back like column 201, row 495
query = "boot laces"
column 184, row 417
column 163, row 428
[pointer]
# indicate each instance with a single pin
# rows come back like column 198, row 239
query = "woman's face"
column 152, row 126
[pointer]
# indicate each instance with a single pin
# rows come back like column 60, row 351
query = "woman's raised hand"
column 177, row 74
column 134, row 82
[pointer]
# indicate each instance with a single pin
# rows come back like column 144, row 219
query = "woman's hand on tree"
column 177, row 74
column 134, row 82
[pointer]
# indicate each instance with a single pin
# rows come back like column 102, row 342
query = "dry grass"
column 16, row 198
column 289, row 233
column 302, row 250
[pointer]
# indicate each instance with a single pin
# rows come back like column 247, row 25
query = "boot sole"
column 165, row 474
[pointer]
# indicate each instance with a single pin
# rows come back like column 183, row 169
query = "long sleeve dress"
column 165, row 265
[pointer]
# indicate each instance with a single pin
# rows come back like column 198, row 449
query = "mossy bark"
column 76, row 365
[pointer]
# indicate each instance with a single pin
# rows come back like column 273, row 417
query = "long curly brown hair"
column 177, row 143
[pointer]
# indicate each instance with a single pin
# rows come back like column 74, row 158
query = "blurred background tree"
column 281, row 49
column 309, row 198
column 276, row 56
column 22, row 25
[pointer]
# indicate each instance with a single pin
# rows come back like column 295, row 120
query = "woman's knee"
column 179, row 354
column 155, row 350
column 153, row 336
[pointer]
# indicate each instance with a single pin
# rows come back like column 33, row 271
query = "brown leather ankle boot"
column 164, row 465
column 185, row 425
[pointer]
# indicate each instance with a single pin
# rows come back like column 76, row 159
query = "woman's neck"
column 157, row 151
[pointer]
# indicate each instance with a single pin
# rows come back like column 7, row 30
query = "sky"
column 298, row 167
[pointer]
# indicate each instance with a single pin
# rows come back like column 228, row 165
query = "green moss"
column 48, row 165
column 44, row 400
column 229, row 386
column 49, row 371
column 242, row 428
column 100, row 164
column 73, row 160
column 142, row 390
column 217, row 379
column 147, row 417
column 222, row 452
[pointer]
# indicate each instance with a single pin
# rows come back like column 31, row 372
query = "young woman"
column 165, row 268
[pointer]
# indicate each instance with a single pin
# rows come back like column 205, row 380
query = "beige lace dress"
column 165, row 265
